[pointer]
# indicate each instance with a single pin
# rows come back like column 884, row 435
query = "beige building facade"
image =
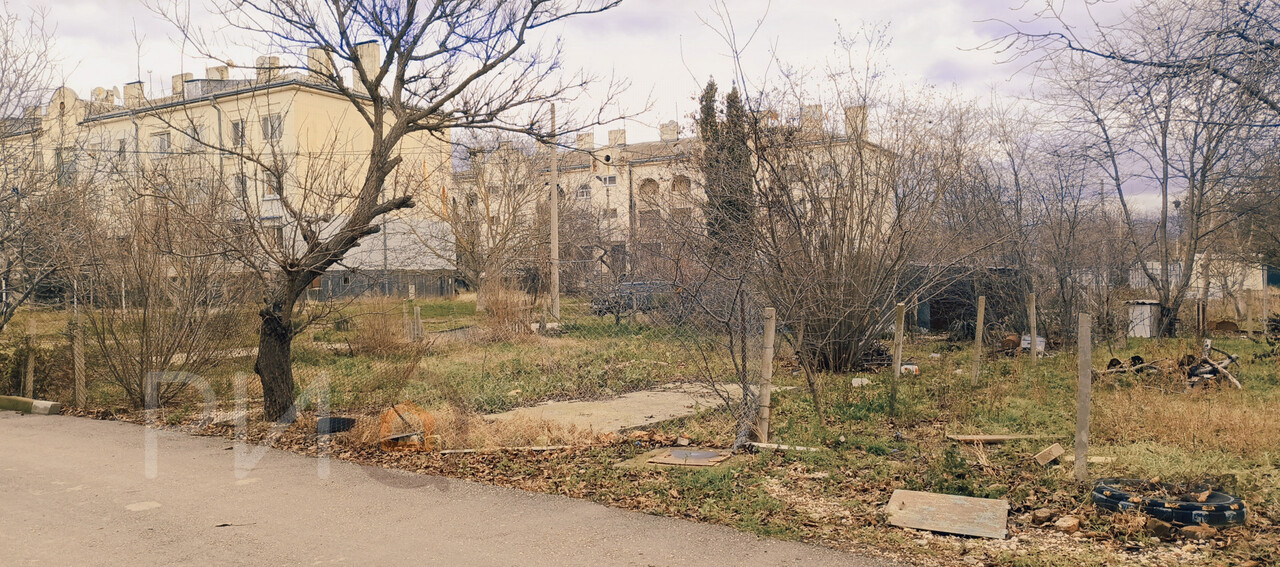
column 270, row 146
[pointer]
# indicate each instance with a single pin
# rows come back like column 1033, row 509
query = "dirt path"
column 73, row 492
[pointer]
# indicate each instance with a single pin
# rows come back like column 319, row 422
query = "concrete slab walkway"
column 73, row 492
column 637, row 409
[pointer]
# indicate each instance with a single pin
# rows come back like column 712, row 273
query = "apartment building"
column 635, row 196
column 270, row 143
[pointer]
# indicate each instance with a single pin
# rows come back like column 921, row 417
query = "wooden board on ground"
column 690, row 457
column 996, row 438
column 1051, row 453
column 945, row 513
column 641, row 461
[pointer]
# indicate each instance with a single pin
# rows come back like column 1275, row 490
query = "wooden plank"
column 777, row 447
column 534, row 448
column 1091, row 460
column 1051, row 453
column 691, row 457
column 945, row 513
column 997, row 438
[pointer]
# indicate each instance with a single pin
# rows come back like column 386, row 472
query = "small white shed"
column 1142, row 317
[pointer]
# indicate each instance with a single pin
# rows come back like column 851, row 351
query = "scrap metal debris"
column 1207, row 370
column 1199, row 371
column 407, row 427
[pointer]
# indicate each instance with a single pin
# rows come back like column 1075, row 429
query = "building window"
column 272, row 128
column 197, row 190
column 609, row 180
column 65, row 159
column 242, row 186
column 271, row 194
column 611, row 214
column 237, row 133
column 584, row 191
column 121, row 147
column 649, row 219
column 161, row 143
column 194, row 135
column 682, row 216
column 275, row 236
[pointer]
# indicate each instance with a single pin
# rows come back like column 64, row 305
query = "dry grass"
column 1233, row 421
column 381, row 333
column 460, row 430
column 510, row 316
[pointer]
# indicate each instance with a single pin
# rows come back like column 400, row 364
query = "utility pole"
column 555, row 221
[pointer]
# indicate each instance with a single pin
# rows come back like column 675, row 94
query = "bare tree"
column 1190, row 139
column 419, row 68
column 488, row 225
column 1234, row 44
column 168, row 298
column 36, row 209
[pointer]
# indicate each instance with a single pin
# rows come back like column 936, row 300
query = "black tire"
column 331, row 425
column 1219, row 509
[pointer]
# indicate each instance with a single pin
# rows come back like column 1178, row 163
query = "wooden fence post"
column 1248, row 313
column 1266, row 312
column 901, row 318
column 1084, row 388
column 417, row 323
column 977, row 337
column 766, row 374
column 1031, row 314
column 404, row 321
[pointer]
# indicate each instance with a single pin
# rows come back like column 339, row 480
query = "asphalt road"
column 75, row 492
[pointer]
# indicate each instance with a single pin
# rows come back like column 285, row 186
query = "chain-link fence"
column 464, row 354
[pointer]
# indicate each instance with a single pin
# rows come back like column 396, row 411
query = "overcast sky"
column 661, row 46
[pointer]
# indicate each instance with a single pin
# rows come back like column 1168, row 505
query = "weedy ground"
column 1149, row 425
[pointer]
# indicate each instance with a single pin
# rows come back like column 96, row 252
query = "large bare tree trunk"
column 274, row 365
